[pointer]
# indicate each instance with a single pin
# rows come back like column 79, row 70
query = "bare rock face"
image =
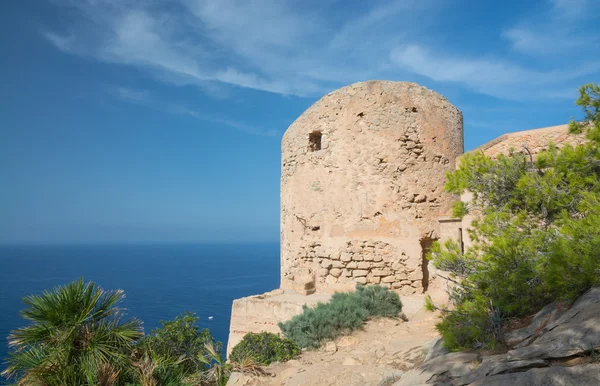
column 558, row 348
column 362, row 179
column 576, row 331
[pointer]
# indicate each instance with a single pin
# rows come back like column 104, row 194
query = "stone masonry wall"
column 362, row 181
column 535, row 140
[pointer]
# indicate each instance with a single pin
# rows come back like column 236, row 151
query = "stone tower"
column 362, row 179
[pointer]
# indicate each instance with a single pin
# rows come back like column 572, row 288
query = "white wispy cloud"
column 61, row 42
column 489, row 76
column 309, row 48
column 560, row 27
column 259, row 44
column 132, row 94
column 146, row 98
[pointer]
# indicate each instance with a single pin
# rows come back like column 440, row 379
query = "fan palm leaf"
column 76, row 336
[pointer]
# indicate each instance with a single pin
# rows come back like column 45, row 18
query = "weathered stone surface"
column 437, row 349
column 349, row 361
column 262, row 312
column 382, row 272
column 545, row 316
column 239, row 379
column 559, row 353
column 362, row 171
column 575, row 331
column 536, row 140
column 349, row 340
column 452, row 365
column 585, row 375
column 335, row 272
column 498, row 364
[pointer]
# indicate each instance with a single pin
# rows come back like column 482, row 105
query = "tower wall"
column 362, row 179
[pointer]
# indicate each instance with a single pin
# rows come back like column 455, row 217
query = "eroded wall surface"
column 262, row 313
column 362, row 180
column 535, row 140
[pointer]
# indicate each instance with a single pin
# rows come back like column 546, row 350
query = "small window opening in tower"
column 314, row 141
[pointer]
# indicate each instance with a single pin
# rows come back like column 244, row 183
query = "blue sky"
column 161, row 121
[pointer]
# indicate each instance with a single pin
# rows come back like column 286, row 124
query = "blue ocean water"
column 160, row 281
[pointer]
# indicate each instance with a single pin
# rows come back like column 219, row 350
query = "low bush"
column 180, row 339
column 264, row 348
column 345, row 312
column 536, row 234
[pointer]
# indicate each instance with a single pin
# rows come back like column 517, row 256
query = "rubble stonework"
column 362, row 179
column 535, row 140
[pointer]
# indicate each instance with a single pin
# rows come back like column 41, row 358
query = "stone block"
column 304, row 284
column 417, row 284
column 407, row 290
column 335, row 272
column 382, row 272
column 415, row 275
column 359, row 273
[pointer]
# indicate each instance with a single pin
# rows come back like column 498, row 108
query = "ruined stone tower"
column 362, row 179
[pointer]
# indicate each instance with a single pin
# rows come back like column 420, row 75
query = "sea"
column 160, row 281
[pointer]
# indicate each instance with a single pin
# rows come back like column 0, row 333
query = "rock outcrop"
column 557, row 348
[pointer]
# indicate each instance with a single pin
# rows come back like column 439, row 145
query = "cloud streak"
column 309, row 48
column 145, row 98
column 562, row 26
column 488, row 76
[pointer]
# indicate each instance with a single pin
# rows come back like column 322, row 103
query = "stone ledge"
column 263, row 312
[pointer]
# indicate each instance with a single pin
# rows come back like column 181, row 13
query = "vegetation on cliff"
column 264, row 348
column 345, row 312
column 77, row 336
column 536, row 237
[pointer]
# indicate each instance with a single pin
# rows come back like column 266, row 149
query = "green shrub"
column 378, row 300
column 264, row 348
column 536, row 238
column 345, row 312
column 180, row 339
column 76, row 336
